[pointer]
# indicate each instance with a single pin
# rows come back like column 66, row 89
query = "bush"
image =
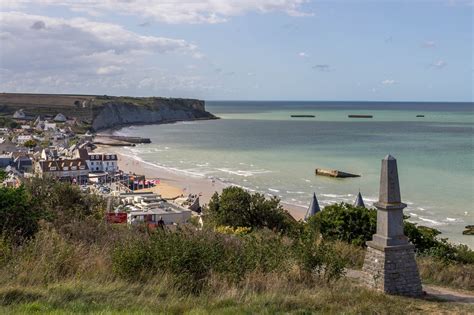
column 62, row 203
column 19, row 219
column 354, row 225
column 236, row 207
column 193, row 257
column 240, row 231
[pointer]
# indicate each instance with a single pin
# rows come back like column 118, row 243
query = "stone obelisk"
column 390, row 264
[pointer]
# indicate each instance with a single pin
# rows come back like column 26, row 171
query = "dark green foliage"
column 60, row 203
column 427, row 243
column 238, row 208
column 354, row 225
column 8, row 122
column 63, row 202
column 30, row 144
column 18, row 220
column 3, row 175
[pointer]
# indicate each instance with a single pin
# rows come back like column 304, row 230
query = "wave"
column 274, row 190
column 244, row 173
column 189, row 172
column 433, row 222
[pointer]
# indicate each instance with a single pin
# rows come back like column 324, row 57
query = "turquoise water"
column 258, row 146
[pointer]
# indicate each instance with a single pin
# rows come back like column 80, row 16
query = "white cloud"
column 174, row 11
column 40, row 53
column 438, row 64
column 322, row 68
column 428, row 44
column 389, row 82
column 109, row 70
column 303, row 54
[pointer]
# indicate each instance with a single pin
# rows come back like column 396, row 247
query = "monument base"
column 392, row 269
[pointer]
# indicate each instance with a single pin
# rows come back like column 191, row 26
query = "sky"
column 383, row 50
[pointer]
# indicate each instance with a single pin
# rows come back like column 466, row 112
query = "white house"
column 102, row 162
column 19, row 114
column 49, row 126
column 22, row 139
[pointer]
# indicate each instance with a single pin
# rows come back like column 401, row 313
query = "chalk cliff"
column 118, row 113
column 102, row 111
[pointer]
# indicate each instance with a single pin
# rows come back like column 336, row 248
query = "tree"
column 354, row 225
column 63, row 202
column 238, row 208
column 3, row 175
column 18, row 219
column 30, row 144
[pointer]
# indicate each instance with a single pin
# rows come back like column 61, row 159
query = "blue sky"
column 240, row 49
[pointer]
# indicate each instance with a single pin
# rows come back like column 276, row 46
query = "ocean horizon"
column 258, row 146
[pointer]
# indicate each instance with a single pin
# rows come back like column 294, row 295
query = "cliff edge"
column 98, row 112
column 118, row 113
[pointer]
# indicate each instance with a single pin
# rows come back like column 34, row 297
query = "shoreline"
column 173, row 183
column 117, row 127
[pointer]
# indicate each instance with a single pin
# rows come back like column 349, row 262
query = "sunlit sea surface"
column 258, row 146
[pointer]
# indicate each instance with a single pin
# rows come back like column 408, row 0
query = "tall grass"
column 93, row 267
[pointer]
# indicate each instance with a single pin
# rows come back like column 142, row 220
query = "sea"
column 259, row 146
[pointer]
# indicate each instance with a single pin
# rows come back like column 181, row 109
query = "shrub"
column 192, row 257
column 240, row 231
column 19, row 220
column 30, row 144
column 63, row 202
column 3, row 175
column 236, row 207
column 354, row 225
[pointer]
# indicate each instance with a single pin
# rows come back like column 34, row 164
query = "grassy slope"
column 158, row 297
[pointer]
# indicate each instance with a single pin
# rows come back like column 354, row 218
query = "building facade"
column 71, row 170
column 102, row 162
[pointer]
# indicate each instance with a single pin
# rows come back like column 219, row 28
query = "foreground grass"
column 253, row 297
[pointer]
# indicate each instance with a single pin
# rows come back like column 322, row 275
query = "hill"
column 102, row 111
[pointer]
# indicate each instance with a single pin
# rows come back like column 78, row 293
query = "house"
column 48, row 154
column 149, row 208
column 21, row 139
column 60, row 118
column 102, row 162
column 23, row 163
column 5, row 160
column 49, row 126
column 71, row 170
column 19, row 114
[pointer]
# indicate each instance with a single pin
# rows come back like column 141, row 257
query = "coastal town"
column 48, row 147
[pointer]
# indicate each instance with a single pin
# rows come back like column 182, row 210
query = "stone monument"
column 390, row 264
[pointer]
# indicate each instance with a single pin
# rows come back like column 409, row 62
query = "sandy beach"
column 173, row 184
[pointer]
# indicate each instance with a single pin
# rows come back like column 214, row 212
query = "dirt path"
column 441, row 293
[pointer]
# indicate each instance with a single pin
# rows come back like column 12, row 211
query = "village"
column 51, row 148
